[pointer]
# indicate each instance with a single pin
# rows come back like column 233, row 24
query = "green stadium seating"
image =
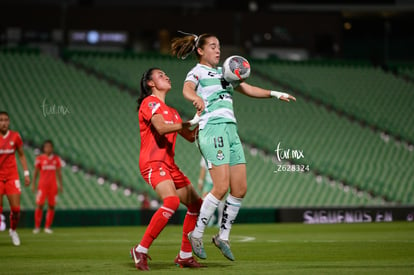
column 334, row 146
column 101, row 135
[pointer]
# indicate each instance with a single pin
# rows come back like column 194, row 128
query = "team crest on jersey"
column 11, row 143
column 220, row 155
column 162, row 172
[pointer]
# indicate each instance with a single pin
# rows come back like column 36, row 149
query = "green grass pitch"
column 375, row 248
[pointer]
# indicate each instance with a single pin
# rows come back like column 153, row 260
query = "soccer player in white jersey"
column 219, row 142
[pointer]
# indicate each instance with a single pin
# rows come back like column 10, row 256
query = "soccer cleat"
column 197, row 245
column 36, row 231
column 224, row 247
column 48, row 231
column 188, row 262
column 15, row 237
column 140, row 259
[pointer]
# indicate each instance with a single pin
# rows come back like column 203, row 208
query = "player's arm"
column 189, row 135
column 59, row 178
column 34, row 179
column 163, row 128
column 258, row 92
column 191, row 95
column 23, row 161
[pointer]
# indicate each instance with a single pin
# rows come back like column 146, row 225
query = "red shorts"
column 50, row 194
column 10, row 187
column 156, row 172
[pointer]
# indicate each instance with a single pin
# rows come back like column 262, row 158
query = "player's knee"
column 40, row 206
column 172, row 202
column 219, row 192
column 239, row 192
column 51, row 207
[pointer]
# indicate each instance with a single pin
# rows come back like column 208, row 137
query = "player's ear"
column 151, row 84
column 200, row 51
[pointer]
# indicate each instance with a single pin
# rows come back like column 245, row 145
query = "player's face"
column 48, row 149
column 4, row 123
column 210, row 53
column 160, row 81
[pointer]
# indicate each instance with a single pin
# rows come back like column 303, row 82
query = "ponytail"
column 182, row 47
column 145, row 89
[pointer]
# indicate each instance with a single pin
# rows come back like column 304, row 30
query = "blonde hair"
column 182, row 47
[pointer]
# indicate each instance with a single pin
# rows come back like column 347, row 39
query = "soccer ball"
column 236, row 68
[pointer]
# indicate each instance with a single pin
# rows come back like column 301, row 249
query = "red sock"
column 38, row 217
column 190, row 221
column 159, row 220
column 49, row 217
column 14, row 217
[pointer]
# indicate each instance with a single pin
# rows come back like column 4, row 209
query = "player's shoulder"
column 14, row 133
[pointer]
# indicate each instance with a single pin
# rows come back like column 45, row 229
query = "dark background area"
column 375, row 30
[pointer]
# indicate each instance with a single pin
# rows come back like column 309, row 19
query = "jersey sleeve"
column 149, row 108
column 193, row 76
column 38, row 162
column 58, row 162
column 18, row 141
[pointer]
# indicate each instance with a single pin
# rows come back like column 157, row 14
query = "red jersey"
column 47, row 166
column 156, row 147
column 9, row 143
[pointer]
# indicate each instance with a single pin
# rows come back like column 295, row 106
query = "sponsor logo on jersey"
column 49, row 167
column 152, row 105
column 6, row 151
column 220, row 155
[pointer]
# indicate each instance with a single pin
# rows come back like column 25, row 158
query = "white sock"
column 231, row 209
column 220, row 210
column 185, row 255
column 141, row 249
column 208, row 207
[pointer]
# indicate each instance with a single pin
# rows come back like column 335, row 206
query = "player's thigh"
column 52, row 198
column 14, row 200
column 215, row 144
column 41, row 197
column 238, row 180
column 221, row 180
column 188, row 195
column 185, row 189
column 13, row 191
column 166, row 189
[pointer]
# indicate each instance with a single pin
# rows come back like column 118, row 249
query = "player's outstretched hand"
column 26, row 180
column 288, row 98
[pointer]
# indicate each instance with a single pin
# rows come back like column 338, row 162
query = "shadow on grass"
column 158, row 266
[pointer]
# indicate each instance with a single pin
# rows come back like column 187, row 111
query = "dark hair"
column 145, row 89
column 4, row 113
column 184, row 46
column 48, row 141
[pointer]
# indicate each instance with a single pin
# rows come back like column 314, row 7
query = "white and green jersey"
column 216, row 93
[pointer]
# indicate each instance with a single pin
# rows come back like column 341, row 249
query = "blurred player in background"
column 205, row 184
column 48, row 165
column 159, row 125
column 219, row 142
column 10, row 142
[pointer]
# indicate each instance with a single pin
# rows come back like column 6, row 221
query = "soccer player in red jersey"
column 10, row 142
column 48, row 166
column 159, row 125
